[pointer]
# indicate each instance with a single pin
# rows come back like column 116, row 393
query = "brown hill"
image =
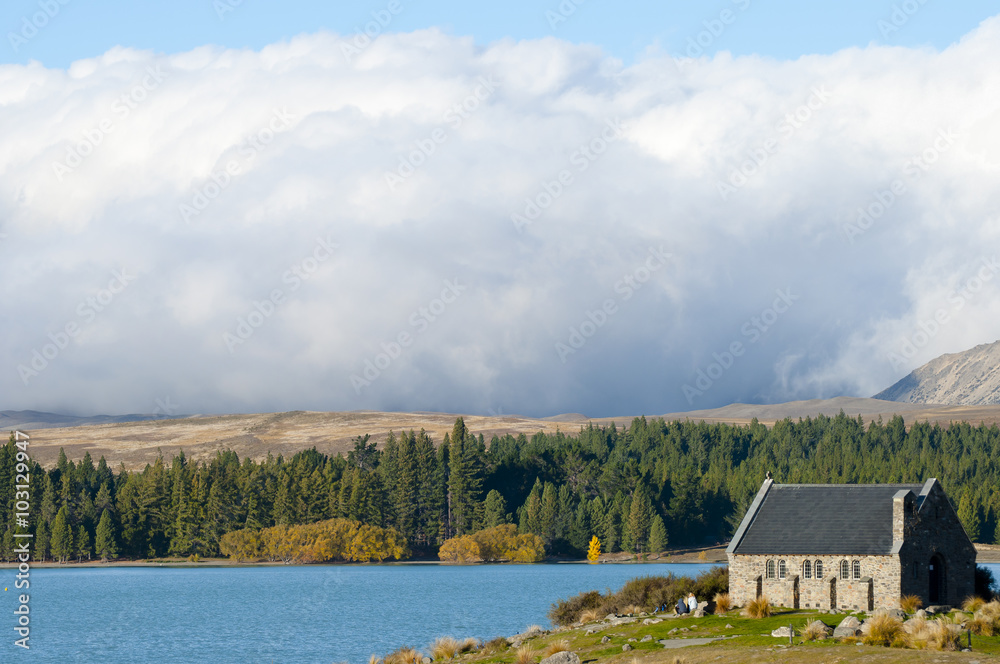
column 970, row 378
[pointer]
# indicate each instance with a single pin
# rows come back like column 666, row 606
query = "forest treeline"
column 636, row 488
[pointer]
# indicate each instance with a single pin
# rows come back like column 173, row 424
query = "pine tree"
column 81, row 543
column 637, row 525
column 107, row 548
column 657, row 534
column 62, row 536
column 968, row 514
column 41, row 541
column 495, row 513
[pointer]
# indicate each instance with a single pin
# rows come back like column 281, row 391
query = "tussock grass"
column 813, row 631
column 940, row 634
column 758, row 608
column 910, row 603
column 561, row 645
column 468, row 645
column 723, row 602
column 973, row 604
column 632, row 610
column 445, row 647
column 884, row 630
column 404, row 656
column 524, row 655
column 374, row 659
column 590, row 615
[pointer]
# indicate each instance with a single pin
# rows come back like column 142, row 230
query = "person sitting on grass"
column 692, row 603
column 681, row 607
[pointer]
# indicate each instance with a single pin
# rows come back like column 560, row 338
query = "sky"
column 529, row 208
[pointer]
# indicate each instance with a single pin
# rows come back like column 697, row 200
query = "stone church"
column 851, row 546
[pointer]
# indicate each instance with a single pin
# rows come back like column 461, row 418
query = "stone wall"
column 878, row 586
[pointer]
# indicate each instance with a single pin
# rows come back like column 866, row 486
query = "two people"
column 687, row 605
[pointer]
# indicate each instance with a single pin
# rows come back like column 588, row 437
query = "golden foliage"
column 973, row 604
column 444, row 647
column 561, row 645
column 524, row 655
column 492, row 544
column 334, row 539
column 589, row 615
column 884, row 629
column 594, row 549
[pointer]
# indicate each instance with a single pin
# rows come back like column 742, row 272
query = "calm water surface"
column 288, row 614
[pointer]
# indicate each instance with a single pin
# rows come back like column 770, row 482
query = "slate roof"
column 820, row 519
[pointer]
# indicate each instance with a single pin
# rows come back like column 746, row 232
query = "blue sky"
column 783, row 29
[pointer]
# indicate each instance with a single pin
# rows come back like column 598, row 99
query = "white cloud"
column 308, row 139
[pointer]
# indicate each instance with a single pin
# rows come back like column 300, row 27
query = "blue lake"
column 288, row 614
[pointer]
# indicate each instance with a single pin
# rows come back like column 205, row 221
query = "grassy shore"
column 739, row 639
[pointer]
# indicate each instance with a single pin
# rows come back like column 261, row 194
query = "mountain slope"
column 970, row 378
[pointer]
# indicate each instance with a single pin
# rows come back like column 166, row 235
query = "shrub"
column 758, row 608
column 523, row 655
column 722, row 603
column 561, row 645
column 985, row 583
column 644, row 593
column 444, row 647
column 910, row 603
column 495, row 646
column 566, row 611
column 884, row 629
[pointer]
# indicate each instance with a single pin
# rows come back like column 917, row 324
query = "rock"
column 589, row 632
column 564, row 657
column 632, row 640
column 426, row 660
column 673, row 631
column 610, row 616
column 699, row 613
column 897, row 613
column 605, row 639
column 652, row 621
column 703, row 606
column 866, row 627
column 621, row 621
column 626, row 648
column 646, row 639
column 920, row 614
column 818, row 625
column 515, row 643
column 684, row 629
column 728, row 626
column 849, row 626
column 783, row 632
column 533, row 631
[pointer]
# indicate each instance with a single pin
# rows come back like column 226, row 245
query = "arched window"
column 769, row 573
column 807, row 570
column 819, row 569
column 857, row 569
column 845, row 570
column 781, row 569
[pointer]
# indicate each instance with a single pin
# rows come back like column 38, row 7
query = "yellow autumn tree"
column 494, row 544
column 594, row 550
column 333, row 539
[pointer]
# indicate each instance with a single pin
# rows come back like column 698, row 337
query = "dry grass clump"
column 561, row 645
column 444, row 647
column 910, row 603
column 813, row 631
column 973, row 604
column 524, row 655
column 632, row 610
column 404, row 656
column 723, row 602
column 758, row 608
column 590, row 615
column 374, row 659
column 468, row 645
column 940, row 634
column 884, row 630
column 495, row 646
column 986, row 620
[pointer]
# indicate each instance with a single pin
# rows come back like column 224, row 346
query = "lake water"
column 287, row 614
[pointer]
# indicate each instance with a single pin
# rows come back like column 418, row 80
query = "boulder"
column 646, row 639
column 610, row 616
column 652, row 621
column 564, row 657
column 605, row 639
column 920, row 614
column 728, row 626
column 673, row 631
column 626, row 648
column 784, row 632
column 621, row 621
column 818, row 625
column 699, row 613
column 849, row 626
column 897, row 613
column 632, row 640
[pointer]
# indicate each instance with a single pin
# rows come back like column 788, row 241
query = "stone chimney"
column 902, row 514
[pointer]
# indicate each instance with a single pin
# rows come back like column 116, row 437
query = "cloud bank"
column 528, row 227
